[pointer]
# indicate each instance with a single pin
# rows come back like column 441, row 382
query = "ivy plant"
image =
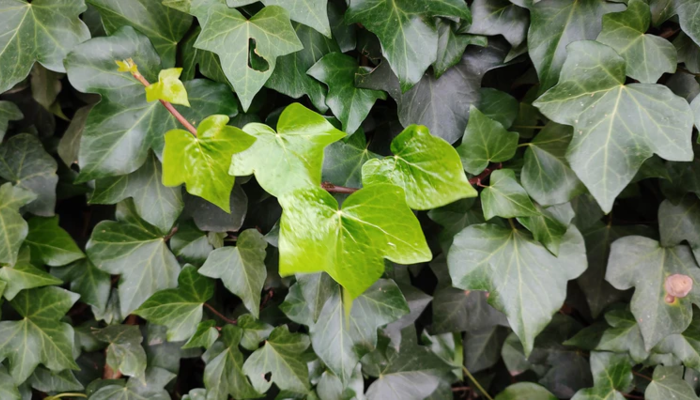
column 349, row 199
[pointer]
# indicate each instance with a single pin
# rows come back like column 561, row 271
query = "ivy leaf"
column 290, row 158
column 647, row 56
column 204, row 336
column 8, row 112
column 609, row 116
column 599, row 237
column 642, row 263
column 409, row 40
column 498, row 106
column 29, row 166
column 8, row 389
column 254, row 331
column 499, row 17
column 667, row 382
column 134, row 249
column 681, row 222
column 39, row 337
column 15, row 227
column 504, row 197
column 223, row 374
column 550, row 225
column 168, row 88
column 687, row 11
column 425, row 166
column 268, row 34
column 50, row 244
column 241, row 268
column 124, row 353
column 209, row 217
column 349, row 104
column 90, row 283
column 179, row 309
column 156, row 204
column 23, row 275
column 451, row 46
column 281, row 357
column 311, row 13
column 290, row 76
column 612, row 376
column 485, row 141
column 685, row 346
column 455, row 217
column 316, row 289
column 556, row 24
column 150, row 387
column 341, row 340
column 190, row 244
column 482, row 257
column 164, row 26
column 410, row 373
column 526, row 390
column 440, row 104
column 43, row 31
column 200, row 162
column 623, row 335
column 343, row 160
column 351, row 243
column 546, row 174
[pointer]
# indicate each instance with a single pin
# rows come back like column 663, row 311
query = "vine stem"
column 58, row 396
column 476, row 383
column 168, row 106
column 220, row 315
column 331, row 188
column 641, row 375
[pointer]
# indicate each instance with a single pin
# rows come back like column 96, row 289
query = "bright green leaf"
column 349, row 243
column 168, row 88
column 425, row 166
column 201, row 162
column 525, row 390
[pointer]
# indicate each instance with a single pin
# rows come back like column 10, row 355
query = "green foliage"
column 348, row 200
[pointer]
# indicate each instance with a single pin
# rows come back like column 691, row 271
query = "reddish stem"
column 641, row 375
column 477, row 179
column 338, row 189
column 168, row 106
column 220, row 315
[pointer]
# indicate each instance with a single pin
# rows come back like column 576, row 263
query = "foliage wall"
column 349, row 199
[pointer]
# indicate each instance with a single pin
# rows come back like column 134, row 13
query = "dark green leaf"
column 15, row 228
column 50, row 244
column 681, row 222
column 500, row 17
column 485, row 141
column 223, row 375
column 668, row 383
column 124, row 352
column 8, row 112
column 90, row 283
column 612, row 374
column 308, row 12
column 504, row 197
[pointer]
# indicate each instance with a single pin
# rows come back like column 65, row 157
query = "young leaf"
column 241, row 268
column 16, row 228
column 124, row 353
column 134, row 249
column 557, row 23
column 164, row 26
column 49, row 244
column 290, row 158
column 290, row 78
column 168, row 88
column 349, row 243
column 426, row 167
column 201, row 162
column 311, row 13
column 43, row 30
column 609, row 116
column 612, row 376
column 39, row 337
column 223, row 374
column 647, row 56
column 8, row 112
column 408, row 40
column 235, row 39
column 642, row 263
column 485, row 141
column 156, row 204
column 25, row 163
column 179, row 309
column 504, row 197
column 518, row 272
column 349, row 104
column 341, row 340
column 546, row 174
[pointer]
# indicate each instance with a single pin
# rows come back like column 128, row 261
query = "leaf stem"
column 477, row 179
column 331, row 188
column 641, row 375
column 168, row 106
column 220, row 315
column 58, row 396
column 476, row 383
